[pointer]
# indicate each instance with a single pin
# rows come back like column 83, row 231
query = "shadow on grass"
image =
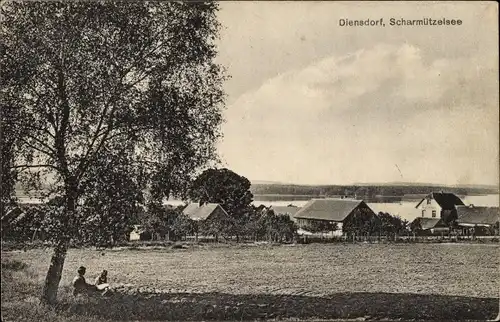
column 220, row 306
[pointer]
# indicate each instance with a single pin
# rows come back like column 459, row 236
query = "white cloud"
column 352, row 118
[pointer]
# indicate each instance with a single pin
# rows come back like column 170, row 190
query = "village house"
column 428, row 226
column 333, row 211
column 208, row 211
column 474, row 220
column 24, row 219
column 437, row 210
column 286, row 210
column 439, row 205
column 137, row 233
column 209, row 218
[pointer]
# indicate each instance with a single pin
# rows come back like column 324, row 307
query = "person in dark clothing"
column 80, row 285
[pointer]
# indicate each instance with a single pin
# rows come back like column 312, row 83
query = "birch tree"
column 130, row 87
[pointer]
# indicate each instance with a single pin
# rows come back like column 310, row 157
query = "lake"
column 405, row 209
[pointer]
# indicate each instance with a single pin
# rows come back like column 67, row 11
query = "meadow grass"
column 335, row 281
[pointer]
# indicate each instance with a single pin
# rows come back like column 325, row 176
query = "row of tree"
column 159, row 222
column 254, row 224
column 363, row 191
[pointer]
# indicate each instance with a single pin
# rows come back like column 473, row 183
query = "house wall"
column 303, row 223
column 134, row 236
column 429, row 208
column 218, row 214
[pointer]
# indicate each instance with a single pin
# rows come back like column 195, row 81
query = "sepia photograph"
column 249, row 160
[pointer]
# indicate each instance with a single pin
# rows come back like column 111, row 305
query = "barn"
column 347, row 215
column 478, row 220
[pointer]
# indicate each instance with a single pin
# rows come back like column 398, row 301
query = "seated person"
column 80, row 286
column 101, row 281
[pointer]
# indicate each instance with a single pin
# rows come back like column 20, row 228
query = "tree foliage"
column 108, row 96
column 278, row 227
column 165, row 222
column 361, row 221
column 9, row 138
column 224, row 187
column 389, row 224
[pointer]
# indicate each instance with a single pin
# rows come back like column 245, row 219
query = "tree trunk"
column 34, row 235
column 49, row 295
column 51, row 285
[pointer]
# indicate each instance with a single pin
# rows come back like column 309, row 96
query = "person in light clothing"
column 101, row 282
column 102, row 279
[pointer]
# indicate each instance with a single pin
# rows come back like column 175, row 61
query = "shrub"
column 14, row 265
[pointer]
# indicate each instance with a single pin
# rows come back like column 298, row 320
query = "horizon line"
column 375, row 183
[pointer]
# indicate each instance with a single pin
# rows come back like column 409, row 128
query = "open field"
column 417, row 281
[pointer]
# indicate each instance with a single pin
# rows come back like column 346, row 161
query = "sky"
column 312, row 102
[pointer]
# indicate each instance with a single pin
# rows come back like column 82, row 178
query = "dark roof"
column 12, row 214
column 18, row 213
column 328, row 209
column 285, row 210
column 445, row 200
column 197, row 212
column 478, row 215
column 428, row 223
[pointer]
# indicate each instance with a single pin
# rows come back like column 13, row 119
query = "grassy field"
column 336, row 281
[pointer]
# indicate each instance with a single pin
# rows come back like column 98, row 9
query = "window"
column 434, row 214
column 423, row 213
column 429, row 201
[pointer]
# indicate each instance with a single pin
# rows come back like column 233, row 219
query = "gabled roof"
column 328, row 209
column 285, row 210
column 12, row 214
column 138, row 229
column 428, row 223
column 197, row 212
column 478, row 215
column 18, row 213
column 445, row 200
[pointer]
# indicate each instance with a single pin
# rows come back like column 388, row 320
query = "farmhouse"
column 340, row 212
column 24, row 219
column 439, row 205
column 209, row 219
column 208, row 211
column 478, row 220
column 425, row 226
column 286, row 210
column 137, row 232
